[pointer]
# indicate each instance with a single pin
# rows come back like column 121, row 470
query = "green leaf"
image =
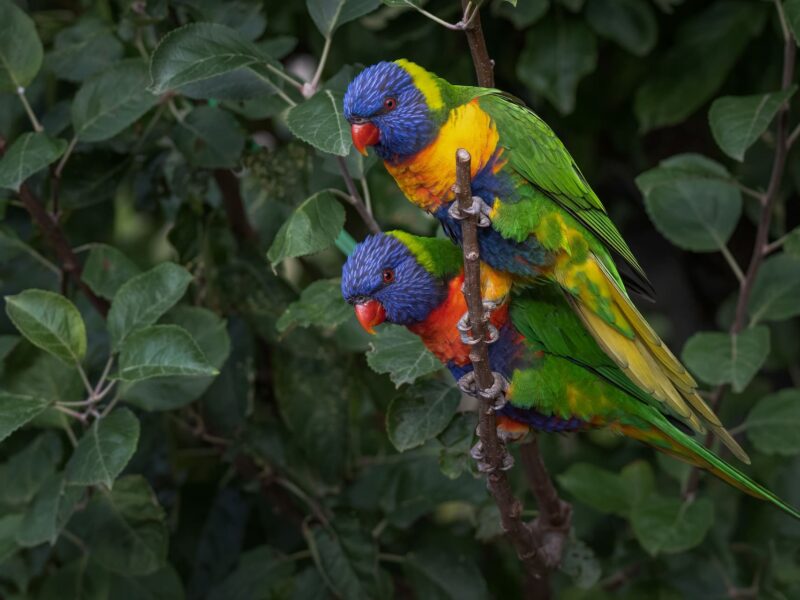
column 104, row 450
column 328, row 15
column 596, row 487
column 606, row 491
column 127, row 533
column 314, row 395
column 792, row 244
column 18, row 409
column 167, row 393
column 320, row 122
column 523, row 15
column 719, row 358
column 630, row 23
column 421, row 414
column 669, row 526
column 20, row 48
column 705, row 50
column 210, row 138
column 738, row 121
column 29, row 469
column 161, row 350
column 29, row 154
column 51, row 509
column 439, row 574
column 142, row 300
column 320, row 304
column 163, row 584
column 49, row 321
column 106, row 269
column 209, row 60
column 557, row 55
column 261, row 573
column 347, row 560
column 776, row 290
column 401, row 354
column 692, row 201
column 86, row 48
column 774, row 422
column 791, row 9
column 313, row 226
column 111, row 101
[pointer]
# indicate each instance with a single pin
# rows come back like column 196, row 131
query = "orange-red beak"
column 370, row 314
column 364, row 134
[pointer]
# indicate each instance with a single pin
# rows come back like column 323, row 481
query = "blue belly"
column 524, row 258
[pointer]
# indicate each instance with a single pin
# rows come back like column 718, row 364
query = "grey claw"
column 467, row 384
column 497, row 392
column 478, row 207
column 508, row 462
column 476, row 452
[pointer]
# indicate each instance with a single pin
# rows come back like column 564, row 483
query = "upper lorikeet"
column 559, row 377
column 545, row 220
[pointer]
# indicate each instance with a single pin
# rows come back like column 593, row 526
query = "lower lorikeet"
column 559, row 377
column 541, row 218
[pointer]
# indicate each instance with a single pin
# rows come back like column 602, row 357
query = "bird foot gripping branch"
column 465, row 327
column 478, row 208
column 496, row 393
column 478, row 453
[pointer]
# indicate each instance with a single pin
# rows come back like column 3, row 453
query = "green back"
column 537, row 156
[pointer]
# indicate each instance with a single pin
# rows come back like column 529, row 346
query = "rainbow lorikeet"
column 559, row 377
column 541, row 220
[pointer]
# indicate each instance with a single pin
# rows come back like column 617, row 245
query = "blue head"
column 394, row 107
column 384, row 281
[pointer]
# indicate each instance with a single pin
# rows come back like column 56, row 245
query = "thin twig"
column 55, row 177
column 37, row 126
column 54, row 234
column 234, row 207
column 312, row 87
column 354, row 198
column 729, row 258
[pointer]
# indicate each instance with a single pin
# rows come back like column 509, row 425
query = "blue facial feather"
column 412, row 295
column 405, row 130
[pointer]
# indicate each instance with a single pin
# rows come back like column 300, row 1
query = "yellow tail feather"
column 643, row 357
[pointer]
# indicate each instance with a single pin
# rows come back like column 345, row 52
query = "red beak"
column 364, row 134
column 369, row 314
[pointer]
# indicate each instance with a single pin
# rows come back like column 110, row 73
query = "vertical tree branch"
column 539, row 551
column 484, row 66
column 761, row 246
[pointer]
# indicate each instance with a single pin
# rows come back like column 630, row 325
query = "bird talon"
column 467, row 384
column 478, row 208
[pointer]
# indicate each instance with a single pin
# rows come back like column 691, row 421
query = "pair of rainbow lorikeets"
column 574, row 350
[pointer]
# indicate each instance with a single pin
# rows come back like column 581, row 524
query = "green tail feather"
column 682, row 446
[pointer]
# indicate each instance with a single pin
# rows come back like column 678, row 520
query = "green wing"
column 538, row 156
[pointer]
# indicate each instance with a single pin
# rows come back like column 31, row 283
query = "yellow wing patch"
column 425, row 81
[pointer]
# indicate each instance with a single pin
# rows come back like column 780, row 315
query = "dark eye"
column 388, row 275
column 390, row 104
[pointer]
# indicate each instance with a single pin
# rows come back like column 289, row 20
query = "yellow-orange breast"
column 427, row 177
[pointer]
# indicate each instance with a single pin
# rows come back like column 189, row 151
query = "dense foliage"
column 189, row 409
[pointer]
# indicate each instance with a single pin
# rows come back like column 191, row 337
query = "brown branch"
column 234, row 207
column 761, row 246
column 70, row 266
column 484, row 66
column 539, row 544
column 354, row 198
